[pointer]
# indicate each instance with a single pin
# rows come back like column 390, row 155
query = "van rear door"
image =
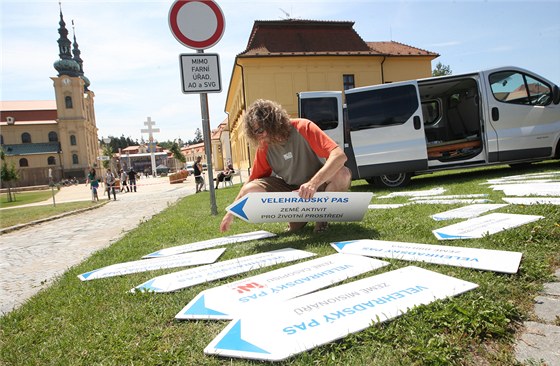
column 386, row 129
column 325, row 110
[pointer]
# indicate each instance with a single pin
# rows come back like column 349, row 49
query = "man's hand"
column 226, row 222
column 307, row 190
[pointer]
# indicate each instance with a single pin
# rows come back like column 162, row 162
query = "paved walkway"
column 34, row 256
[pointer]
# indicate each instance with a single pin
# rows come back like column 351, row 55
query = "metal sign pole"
column 208, row 147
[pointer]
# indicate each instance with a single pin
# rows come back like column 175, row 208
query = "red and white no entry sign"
column 197, row 24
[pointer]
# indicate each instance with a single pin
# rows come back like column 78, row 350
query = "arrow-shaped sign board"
column 223, row 302
column 261, row 234
column 289, row 207
column 194, row 276
column 483, row 259
column 484, row 225
column 283, row 329
column 143, row 265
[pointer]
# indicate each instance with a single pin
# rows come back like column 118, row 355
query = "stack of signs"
column 484, row 259
column 290, row 207
column 194, row 276
column 174, row 261
column 284, row 329
column 211, row 243
column 223, row 302
column 485, row 225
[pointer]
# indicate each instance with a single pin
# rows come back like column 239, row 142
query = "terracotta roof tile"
column 395, row 49
column 27, row 105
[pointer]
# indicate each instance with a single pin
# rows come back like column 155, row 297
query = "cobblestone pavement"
column 32, row 257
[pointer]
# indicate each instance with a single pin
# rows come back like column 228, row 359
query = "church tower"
column 75, row 107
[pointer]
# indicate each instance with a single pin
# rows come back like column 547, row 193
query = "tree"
column 177, row 153
column 197, row 136
column 441, row 70
column 107, row 151
column 8, row 174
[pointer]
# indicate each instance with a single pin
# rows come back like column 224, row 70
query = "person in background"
column 124, row 178
column 110, row 181
column 132, row 179
column 224, row 175
column 94, row 184
column 198, row 178
column 292, row 149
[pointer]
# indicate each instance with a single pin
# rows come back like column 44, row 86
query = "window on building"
column 23, row 162
column 68, row 102
column 53, row 136
column 51, row 160
column 75, row 159
column 73, row 140
column 1, row 140
column 25, row 138
column 348, row 81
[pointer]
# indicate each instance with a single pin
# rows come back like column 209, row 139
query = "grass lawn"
column 101, row 323
column 22, row 215
column 24, row 198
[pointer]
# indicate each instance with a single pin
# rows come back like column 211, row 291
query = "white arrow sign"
column 484, row 259
column 194, row 276
column 484, row 225
column 467, row 212
column 223, row 302
column 283, row 329
column 289, row 207
column 181, row 260
column 255, row 235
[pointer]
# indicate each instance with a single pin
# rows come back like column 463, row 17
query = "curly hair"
column 271, row 117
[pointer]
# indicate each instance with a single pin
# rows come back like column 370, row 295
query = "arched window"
column 73, row 140
column 68, row 102
column 75, row 159
column 53, row 136
column 23, row 162
column 51, row 160
column 25, row 138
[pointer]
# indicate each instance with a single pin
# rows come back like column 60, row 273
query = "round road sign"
column 197, row 24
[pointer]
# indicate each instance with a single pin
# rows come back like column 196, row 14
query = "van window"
column 431, row 112
column 518, row 88
column 322, row 111
column 381, row 107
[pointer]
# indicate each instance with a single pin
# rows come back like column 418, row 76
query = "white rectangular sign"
column 484, row 225
column 467, row 212
column 194, row 276
column 289, row 207
column 284, row 329
column 428, row 192
column 483, row 259
column 529, row 189
column 223, row 302
column 385, row 206
column 532, row 200
column 261, row 234
column 143, row 265
column 200, row 73
column 449, row 197
column 465, row 201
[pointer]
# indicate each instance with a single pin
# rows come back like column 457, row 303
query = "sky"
column 132, row 58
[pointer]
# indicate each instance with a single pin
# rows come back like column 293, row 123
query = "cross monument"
column 150, row 131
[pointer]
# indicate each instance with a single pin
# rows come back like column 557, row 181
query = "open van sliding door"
column 386, row 130
column 325, row 109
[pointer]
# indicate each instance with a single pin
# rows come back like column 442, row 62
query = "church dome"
column 67, row 67
column 86, row 81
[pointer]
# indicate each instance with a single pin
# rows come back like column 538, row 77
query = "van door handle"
column 417, row 123
column 495, row 114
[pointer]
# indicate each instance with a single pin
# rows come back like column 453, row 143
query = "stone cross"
column 150, row 131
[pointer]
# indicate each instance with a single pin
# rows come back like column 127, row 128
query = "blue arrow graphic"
column 342, row 244
column 232, row 341
column 199, row 308
column 448, row 236
column 238, row 209
column 87, row 274
column 147, row 286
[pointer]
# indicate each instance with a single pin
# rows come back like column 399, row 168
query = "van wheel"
column 391, row 180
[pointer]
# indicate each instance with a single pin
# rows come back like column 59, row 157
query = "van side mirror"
column 555, row 94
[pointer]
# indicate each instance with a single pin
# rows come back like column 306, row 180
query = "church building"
column 53, row 139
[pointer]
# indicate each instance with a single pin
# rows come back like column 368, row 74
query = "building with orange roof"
column 285, row 57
